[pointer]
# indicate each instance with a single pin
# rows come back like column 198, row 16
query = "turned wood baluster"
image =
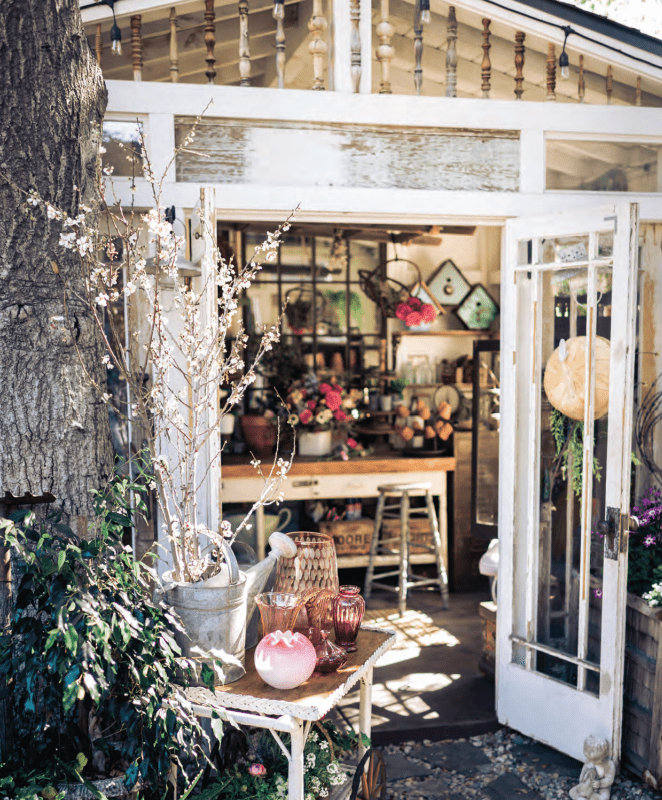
column 244, row 47
column 551, row 72
column 385, row 51
column 609, row 84
column 637, row 94
column 279, row 16
column 136, row 47
column 98, row 44
column 486, row 66
column 581, row 85
column 210, row 40
column 418, row 48
column 174, row 54
column 519, row 63
column 355, row 43
column 451, row 54
column 317, row 25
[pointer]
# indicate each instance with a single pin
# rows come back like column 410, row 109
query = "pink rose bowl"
column 285, row 660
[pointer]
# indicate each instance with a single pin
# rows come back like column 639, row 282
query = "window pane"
column 121, row 141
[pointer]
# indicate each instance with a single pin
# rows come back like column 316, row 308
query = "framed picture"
column 448, row 285
column 478, row 310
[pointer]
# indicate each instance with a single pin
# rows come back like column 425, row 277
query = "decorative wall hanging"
column 478, row 310
column 565, row 377
column 448, row 285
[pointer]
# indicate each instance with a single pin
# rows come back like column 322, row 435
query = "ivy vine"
column 568, row 437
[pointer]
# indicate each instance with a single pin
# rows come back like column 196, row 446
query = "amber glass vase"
column 348, row 611
column 278, row 610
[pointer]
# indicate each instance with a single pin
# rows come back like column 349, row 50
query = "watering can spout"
column 257, row 575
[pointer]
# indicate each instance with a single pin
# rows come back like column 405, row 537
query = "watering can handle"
column 230, row 560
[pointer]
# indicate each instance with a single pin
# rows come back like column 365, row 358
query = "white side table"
column 249, row 701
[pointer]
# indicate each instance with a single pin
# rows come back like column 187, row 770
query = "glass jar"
column 348, row 611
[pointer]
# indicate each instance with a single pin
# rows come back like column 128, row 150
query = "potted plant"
column 96, row 678
column 393, row 393
column 315, row 409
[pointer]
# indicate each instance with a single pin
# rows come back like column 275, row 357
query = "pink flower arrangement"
column 413, row 312
column 319, row 408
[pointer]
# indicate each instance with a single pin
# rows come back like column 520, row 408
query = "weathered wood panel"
column 286, row 154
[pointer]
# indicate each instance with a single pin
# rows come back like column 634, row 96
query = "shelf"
column 474, row 334
column 345, row 562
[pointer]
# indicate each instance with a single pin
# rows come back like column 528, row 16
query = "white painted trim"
column 341, row 28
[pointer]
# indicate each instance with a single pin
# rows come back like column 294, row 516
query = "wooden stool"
column 403, row 491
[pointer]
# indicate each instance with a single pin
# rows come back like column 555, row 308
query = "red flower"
column 401, row 310
column 304, row 393
column 351, row 442
column 311, row 404
column 413, row 319
column 340, row 416
column 324, row 388
column 429, row 312
column 415, row 303
column 257, row 769
column 305, row 416
column 333, row 400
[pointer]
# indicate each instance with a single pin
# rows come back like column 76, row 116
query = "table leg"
column 295, row 768
column 365, row 708
column 261, row 532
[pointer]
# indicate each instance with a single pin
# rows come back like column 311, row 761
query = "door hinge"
column 615, row 218
column 612, row 528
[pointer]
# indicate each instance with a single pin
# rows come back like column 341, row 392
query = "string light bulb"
column 564, row 61
column 425, row 11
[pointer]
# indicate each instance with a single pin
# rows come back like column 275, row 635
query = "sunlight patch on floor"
column 414, row 628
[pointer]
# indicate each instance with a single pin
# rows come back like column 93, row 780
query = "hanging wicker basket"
column 387, row 293
column 565, row 377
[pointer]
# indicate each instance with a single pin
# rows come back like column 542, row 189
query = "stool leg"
column 404, row 553
column 436, row 537
column 370, row 572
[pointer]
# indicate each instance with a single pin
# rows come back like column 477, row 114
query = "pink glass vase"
column 285, row 660
column 348, row 611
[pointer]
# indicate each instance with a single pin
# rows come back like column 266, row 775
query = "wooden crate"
column 419, row 534
column 642, row 706
column 352, row 537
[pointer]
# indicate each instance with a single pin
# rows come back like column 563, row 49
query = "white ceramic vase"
column 314, row 443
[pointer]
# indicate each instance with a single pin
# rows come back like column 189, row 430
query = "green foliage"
column 92, row 662
column 569, row 440
column 321, row 770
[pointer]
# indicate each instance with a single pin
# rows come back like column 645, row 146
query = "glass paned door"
column 567, row 352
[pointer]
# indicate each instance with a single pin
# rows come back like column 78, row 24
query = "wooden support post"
column 98, row 44
column 609, row 84
column 174, row 53
column 244, row 45
column 385, row 51
column 137, row 47
column 486, row 66
column 279, row 15
column 418, row 48
column 581, row 85
column 519, row 63
column 451, row 54
column 551, row 72
column 6, row 715
column 355, row 43
column 637, row 94
column 210, row 40
column 317, row 25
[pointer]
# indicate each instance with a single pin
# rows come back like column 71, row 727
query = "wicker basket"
column 387, row 293
column 313, row 567
column 352, row 537
column 564, row 380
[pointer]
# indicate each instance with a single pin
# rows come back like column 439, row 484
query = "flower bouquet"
column 317, row 406
column 413, row 312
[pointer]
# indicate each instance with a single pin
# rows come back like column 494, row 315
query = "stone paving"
column 495, row 766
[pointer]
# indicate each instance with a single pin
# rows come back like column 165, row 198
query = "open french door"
column 563, row 505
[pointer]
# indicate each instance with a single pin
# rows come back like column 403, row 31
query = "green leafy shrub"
column 91, row 662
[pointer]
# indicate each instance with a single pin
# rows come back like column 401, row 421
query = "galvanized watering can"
column 215, row 612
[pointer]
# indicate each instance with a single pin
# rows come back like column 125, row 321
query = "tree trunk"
column 54, row 434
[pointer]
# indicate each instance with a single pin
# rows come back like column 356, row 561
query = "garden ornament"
column 598, row 772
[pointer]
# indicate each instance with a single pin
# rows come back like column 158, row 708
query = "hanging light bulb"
column 564, row 62
column 279, row 9
column 116, row 39
column 425, row 11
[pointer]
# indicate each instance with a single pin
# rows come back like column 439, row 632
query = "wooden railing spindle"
column 244, row 45
column 551, row 72
column 136, row 47
column 418, row 48
column 451, row 54
column 210, row 39
column 174, row 54
column 385, row 51
column 486, row 66
column 279, row 16
column 637, row 93
column 355, row 44
column 317, row 25
column 581, row 85
column 609, row 84
column 519, row 63
column 98, row 44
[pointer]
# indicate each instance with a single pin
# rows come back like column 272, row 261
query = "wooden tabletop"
column 239, row 466
column 313, row 699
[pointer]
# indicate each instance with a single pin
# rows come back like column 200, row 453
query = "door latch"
column 612, row 530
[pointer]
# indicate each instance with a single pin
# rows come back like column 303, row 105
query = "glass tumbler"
column 348, row 610
column 278, row 610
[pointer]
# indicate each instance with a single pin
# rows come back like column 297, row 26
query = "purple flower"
column 597, row 592
column 649, row 540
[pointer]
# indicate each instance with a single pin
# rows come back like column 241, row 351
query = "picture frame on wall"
column 448, row 285
column 478, row 310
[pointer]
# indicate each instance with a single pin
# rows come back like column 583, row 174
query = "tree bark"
column 54, row 433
